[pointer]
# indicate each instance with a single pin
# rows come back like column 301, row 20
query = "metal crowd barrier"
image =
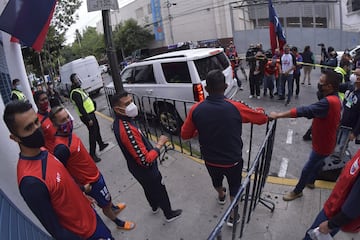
column 250, row 192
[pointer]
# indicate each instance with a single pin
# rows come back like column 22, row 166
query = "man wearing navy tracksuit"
column 218, row 122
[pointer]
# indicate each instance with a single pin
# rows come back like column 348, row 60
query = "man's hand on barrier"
column 162, row 140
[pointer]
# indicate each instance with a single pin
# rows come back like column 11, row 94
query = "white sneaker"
column 251, row 96
column 258, row 97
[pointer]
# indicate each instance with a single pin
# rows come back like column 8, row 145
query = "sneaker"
column 309, row 83
column 102, row 147
column 292, row 196
column 258, row 97
column 96, row 158
column 275, row 93
column 251, row 96
column 222, row 200
column 230, row 221
column 310, row 185
column 155, row 210
column 175, row 214
column 118, row 208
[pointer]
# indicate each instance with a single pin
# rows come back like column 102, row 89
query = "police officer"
column 85, row 108
column 16, row 91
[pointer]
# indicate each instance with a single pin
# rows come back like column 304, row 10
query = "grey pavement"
column 190, row 189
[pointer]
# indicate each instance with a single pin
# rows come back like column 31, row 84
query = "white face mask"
column 352, row 78
column 131, row 110
column 19, row 87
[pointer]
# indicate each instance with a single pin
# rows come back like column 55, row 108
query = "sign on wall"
column 157, row 20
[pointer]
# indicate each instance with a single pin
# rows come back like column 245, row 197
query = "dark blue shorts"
column 101, row 231
column 100, row 192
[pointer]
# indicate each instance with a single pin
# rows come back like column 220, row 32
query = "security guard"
column 16, row 91
column 85, row 108
column 343, row 69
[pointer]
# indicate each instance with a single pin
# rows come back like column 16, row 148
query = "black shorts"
column 232, row 174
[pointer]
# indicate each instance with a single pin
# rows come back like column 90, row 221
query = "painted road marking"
column 289, row 136
column 283, row 167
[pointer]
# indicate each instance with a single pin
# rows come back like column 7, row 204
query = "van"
column 87, row 69
column 176, row 75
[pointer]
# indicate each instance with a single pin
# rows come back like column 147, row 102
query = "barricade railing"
column 250, row 192
column 160, row 116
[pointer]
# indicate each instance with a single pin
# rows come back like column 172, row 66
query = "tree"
column 64, row 14
column 89, row 43
column 129, row 36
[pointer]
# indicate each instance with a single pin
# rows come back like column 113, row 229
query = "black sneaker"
column 175, row 214
column 102, row 147
column 96, row 158
column 155, row 210
column 222, row 200
column 230, row 221
column 307, row 137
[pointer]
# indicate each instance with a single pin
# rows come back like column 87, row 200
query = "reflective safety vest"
column 343, row 73
column 88, row 104
column 19, row 94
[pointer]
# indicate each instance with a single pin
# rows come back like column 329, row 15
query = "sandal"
column 118, row 208
column 127, row 226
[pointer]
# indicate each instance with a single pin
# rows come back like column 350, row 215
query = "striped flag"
column 28, row 21
column 277, row 36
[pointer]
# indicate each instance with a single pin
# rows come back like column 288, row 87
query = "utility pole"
column 168, row 5
column 111, row 51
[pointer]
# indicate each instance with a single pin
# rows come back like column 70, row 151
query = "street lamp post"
column 168, row 5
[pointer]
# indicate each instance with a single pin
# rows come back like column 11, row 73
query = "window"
column 138, row 75
column 176, row 72
column 205, row 65
column 353, row 5
column 293, row 22
column 144, row 74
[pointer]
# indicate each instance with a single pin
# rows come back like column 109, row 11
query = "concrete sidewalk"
column 190, row 189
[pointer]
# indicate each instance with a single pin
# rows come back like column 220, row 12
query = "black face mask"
column 320, row 88
column 35, row 140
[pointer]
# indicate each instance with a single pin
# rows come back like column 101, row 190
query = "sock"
column 119, row 222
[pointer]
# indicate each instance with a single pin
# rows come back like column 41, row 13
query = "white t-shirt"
column 287, row 63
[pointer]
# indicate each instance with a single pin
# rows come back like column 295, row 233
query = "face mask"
column 131, row 110
column 19, row 88
column 44, row 106
column 35, row 140
column 352, row 78
column 66, row 127
column 320, row 88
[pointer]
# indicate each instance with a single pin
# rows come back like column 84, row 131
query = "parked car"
column 352, row 52
column 175, row 75
column 87, row 69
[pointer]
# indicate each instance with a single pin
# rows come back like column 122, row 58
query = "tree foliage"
column 64, row 14
column 129, row 36
column 89, row 43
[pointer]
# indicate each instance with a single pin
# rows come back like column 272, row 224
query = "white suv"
column 176, row 75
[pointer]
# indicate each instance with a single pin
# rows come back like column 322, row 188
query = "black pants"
column 255, row 82
column 297, row 83
column 155, row 191
column 94, row 133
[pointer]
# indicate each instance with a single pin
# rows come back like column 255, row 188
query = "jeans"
column 255, row 82
column 94, row 133
column 297, row 83
column 290, row 81
column 269, row 83
column 310, row 170
column 321, row 217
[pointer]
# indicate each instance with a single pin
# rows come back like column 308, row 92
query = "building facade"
column 332, row 22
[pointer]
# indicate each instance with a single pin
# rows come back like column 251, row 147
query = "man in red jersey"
column 326, row 118
column 70, row 150
column 42, row 103
column 341, row 210
column 45, row 184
